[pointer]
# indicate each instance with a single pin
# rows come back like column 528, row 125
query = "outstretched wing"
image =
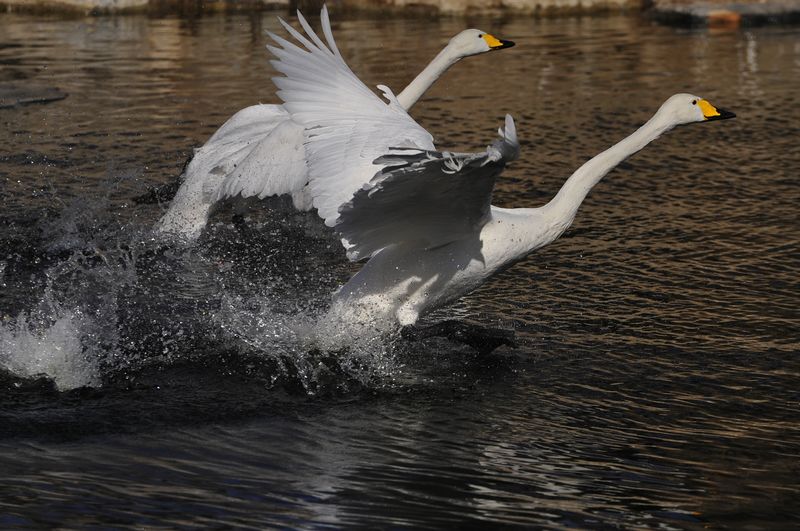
column 347, row 126
column 425, row 198
column 275, row 165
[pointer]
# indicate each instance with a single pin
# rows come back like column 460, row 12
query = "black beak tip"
column 723, row 115
column 505, row 44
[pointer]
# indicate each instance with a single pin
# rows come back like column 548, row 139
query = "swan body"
column 423, row 219
column 259, row 151
column 399, row 283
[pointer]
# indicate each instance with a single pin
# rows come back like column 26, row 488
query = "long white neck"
column 563, row 207
column 414, row 91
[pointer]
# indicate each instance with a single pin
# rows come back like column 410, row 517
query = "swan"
column 422, row 218
column 259, row 150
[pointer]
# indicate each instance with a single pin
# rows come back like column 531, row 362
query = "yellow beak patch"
column 492, row 41
column 709, row 111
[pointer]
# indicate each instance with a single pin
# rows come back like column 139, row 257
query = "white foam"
column 31, row 346
column 362, row 353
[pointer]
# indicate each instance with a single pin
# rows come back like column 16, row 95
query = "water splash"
column 78, row 270
column 305, row 346
column 34, row 345
column 250, row 299
column 72, row 331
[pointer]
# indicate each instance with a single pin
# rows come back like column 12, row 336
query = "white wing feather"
column 425, row 199
column 275, row 165
column 228, row 149
column 231, row 145
column 248, row 123
column 347, row 126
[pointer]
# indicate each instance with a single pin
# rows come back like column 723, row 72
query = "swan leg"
column 163, row 193
column 481, row 338
column 160, row 193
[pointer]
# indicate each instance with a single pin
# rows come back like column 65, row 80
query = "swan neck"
column 438, row 66
column 565, row 204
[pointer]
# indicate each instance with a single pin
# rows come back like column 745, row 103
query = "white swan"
column 424, row 219
column 259, row 150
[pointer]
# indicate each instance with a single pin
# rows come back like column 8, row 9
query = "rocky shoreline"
column 723, row 13
column 681, row 12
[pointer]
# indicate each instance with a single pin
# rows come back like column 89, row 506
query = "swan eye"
column 480, row 35
column 694, row 102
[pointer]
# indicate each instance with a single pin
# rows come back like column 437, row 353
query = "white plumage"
column 347, row 126
column 423, row 218
column 424, row 199
column 259, row 151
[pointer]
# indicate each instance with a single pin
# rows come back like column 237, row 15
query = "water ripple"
column 655, row 385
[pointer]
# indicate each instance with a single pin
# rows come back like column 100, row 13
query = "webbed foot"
column 481, row 338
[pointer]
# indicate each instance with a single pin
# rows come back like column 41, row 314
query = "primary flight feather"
column 259, row 151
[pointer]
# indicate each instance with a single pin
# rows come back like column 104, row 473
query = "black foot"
column 165, row 192
column 241, row 225
column 158, row 194
column 481, row 338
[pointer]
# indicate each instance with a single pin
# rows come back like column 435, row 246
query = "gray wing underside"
column 424, row 198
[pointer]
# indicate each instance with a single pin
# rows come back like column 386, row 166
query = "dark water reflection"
column 656, row 384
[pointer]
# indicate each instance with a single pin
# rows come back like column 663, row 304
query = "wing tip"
column 508, row 144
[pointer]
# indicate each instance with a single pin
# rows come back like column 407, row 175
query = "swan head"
column 688, row 108
column 474, row 42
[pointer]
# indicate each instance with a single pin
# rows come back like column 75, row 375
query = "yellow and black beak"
column 712, row 113
column 495, row 43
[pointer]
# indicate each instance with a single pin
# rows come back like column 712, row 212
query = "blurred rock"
column 310, row 6
column 715, row 13
column 13, row 94
column 122, row 6
column 539, row 7
column 726, row 14
column 73, row 5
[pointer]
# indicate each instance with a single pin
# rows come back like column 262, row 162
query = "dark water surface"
column 657, row 380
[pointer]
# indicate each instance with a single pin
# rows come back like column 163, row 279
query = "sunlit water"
column 656, row 382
